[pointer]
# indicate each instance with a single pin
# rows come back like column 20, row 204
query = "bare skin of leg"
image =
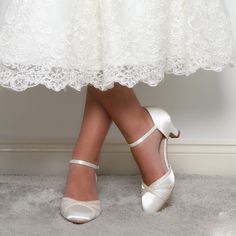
column 134, row 121
column 81, row 182
column 120, row 105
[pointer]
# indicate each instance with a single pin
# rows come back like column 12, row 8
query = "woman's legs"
column 134, row 121
column 81, row 182
column 120, row 105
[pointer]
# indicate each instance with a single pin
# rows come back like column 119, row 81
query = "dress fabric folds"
column 73, row 43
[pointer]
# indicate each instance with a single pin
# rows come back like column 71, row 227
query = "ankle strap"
column 86, row 163
column 143, row 137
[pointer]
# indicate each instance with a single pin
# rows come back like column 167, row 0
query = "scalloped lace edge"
column 20, row 78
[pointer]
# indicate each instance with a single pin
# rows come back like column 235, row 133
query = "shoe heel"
column 174, row 132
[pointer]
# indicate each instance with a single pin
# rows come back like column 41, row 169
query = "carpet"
column 199, row 205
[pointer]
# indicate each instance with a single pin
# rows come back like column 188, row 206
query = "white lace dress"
column 73, row 43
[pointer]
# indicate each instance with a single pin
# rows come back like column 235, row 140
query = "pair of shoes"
column 80, row 211
column 157, row 193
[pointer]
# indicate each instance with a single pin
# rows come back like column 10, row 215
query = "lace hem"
column 20, row 77
column 63, row 44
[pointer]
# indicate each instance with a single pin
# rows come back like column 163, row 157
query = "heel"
column 162, row 121
column 174, row 132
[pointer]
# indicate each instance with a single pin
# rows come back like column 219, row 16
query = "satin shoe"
column 80, row 211
column 155, row 195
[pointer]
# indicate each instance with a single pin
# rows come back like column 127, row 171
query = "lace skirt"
column 74, row 43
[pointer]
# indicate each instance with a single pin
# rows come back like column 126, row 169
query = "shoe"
column 80, row 211
column 157, row 193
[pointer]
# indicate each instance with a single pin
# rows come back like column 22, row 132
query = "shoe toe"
column 155, row 195
column 151, row 203
column 79, row 213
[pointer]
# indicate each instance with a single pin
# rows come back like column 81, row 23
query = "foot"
column 81, row 183
column 149, row 154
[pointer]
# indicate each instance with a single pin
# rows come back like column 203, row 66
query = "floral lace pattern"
column 60, row 43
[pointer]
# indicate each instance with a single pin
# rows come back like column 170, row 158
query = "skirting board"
column 50, row 157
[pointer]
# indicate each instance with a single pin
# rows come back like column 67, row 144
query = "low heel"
column 174, row 132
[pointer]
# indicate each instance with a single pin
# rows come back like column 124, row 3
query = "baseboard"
column 50, row 157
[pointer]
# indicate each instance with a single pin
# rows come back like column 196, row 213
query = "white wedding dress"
column 73, row 43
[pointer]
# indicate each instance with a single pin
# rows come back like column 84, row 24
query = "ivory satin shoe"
column 80, row 211
column 157, row 193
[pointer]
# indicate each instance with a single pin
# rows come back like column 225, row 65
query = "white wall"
column 202, row 106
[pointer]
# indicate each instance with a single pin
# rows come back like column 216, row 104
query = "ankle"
column 141, row 127
column 147, row 120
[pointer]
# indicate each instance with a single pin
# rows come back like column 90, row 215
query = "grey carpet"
column 198, row 206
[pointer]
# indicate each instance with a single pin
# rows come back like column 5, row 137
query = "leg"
column 133, row 121
column 81, row 183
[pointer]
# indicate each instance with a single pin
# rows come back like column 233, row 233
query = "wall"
column 202, row 106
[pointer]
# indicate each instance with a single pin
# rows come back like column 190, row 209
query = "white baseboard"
column 50, row 157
